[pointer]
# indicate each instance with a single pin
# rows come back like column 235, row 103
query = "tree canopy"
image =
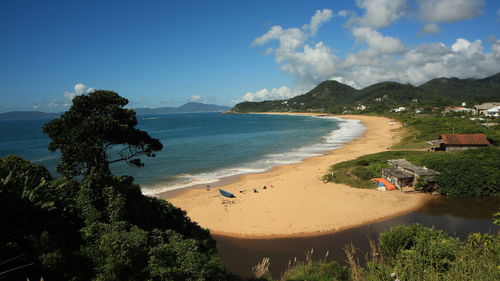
column 94, row 124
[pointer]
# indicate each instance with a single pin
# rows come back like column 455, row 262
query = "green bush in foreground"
column 415, row 252
column 74, row 230
column 408, row 253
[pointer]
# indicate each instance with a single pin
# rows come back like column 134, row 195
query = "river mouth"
column 457, row 216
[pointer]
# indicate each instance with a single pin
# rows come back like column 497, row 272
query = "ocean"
column 200, row 148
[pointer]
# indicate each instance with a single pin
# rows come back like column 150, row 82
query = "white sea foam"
column 348, row 130
column 46, row 158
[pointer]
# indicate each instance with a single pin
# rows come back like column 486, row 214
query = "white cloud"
column 380, row 58
column 377, row 58
column 430, row 28
column 381, row 13
column 377, row 42
column 317, row 20
column 265, row 94
column 346, row 13
column 196, row 99
column 79, row 89
column 435, row 11
column 449, row 10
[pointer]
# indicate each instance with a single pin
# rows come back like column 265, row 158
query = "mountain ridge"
column 190, row 107
column 333, row 96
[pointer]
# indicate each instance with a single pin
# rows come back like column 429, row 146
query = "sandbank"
column 295, row 201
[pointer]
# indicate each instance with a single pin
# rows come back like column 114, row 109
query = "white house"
column 399, row 109
column 482, row 109
column 493, row 112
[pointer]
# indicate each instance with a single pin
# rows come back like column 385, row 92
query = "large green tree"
column 95, row 124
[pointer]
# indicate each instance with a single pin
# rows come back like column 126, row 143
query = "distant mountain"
column 333, row 96
column 27, row 115
column 190, row 107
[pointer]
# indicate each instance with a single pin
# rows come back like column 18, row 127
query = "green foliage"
column 496, row 218
column 101, row 227
column 415, row 252
column 363, row 173
column 412, row 252
column 358, row 172
column 335, row 97
column 87, row 231
column 422, row 129
column 94, row 124
column 401, row 238
column 474, row 172
column 317, row 271
column 38, row 221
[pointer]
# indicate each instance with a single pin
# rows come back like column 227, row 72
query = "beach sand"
column 296, row 202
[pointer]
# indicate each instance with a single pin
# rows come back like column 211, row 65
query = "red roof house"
column 453, row 142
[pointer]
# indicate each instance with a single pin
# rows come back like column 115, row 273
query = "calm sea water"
column 203, row 147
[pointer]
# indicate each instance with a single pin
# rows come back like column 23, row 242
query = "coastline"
column 295, row 202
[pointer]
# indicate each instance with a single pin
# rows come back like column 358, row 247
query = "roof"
column 397, row 173
column 464, row 139
column 420, row 171
column 486, row 105
column 494, row 109
column 435, row 142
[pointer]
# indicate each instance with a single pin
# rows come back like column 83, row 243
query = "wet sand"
column 295, row 201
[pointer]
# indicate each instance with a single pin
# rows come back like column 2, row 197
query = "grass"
column 405, row 253
column 422, row 129
column 358, row 172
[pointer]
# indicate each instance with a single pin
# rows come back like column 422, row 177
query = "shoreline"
column 321, row 233
column 225, row 180
column 295, row 202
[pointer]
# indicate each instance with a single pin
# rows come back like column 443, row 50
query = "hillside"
column 333, row 96
column 27, row 115
column 190, row 107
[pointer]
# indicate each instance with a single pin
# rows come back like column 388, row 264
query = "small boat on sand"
column 226, row 193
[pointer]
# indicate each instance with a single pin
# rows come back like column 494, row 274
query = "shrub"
column 400, row 238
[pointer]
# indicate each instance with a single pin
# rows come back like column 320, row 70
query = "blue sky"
column 165, row 53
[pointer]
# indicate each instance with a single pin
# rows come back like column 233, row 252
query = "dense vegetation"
column 408, row 253
column 90, row 224
column 424, row 128
column 474, row 172
column 335, row 97
column 358, row 172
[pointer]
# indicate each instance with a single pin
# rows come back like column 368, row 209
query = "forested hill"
column 333, row 96
column 190, row 107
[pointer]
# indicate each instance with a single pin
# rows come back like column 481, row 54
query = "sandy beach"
column 295, row 201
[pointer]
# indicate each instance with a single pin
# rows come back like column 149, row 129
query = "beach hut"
column 399, row 178
column 403, row 173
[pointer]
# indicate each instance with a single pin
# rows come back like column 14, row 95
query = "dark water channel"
column 458, row 217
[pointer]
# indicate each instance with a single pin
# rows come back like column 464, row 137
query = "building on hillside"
column 399, row 109
column 403, row 173
column 360, row 107
column 493, row 112
column 457, row 142
column 315, row 110
column 457, row 109
column 482, row 109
